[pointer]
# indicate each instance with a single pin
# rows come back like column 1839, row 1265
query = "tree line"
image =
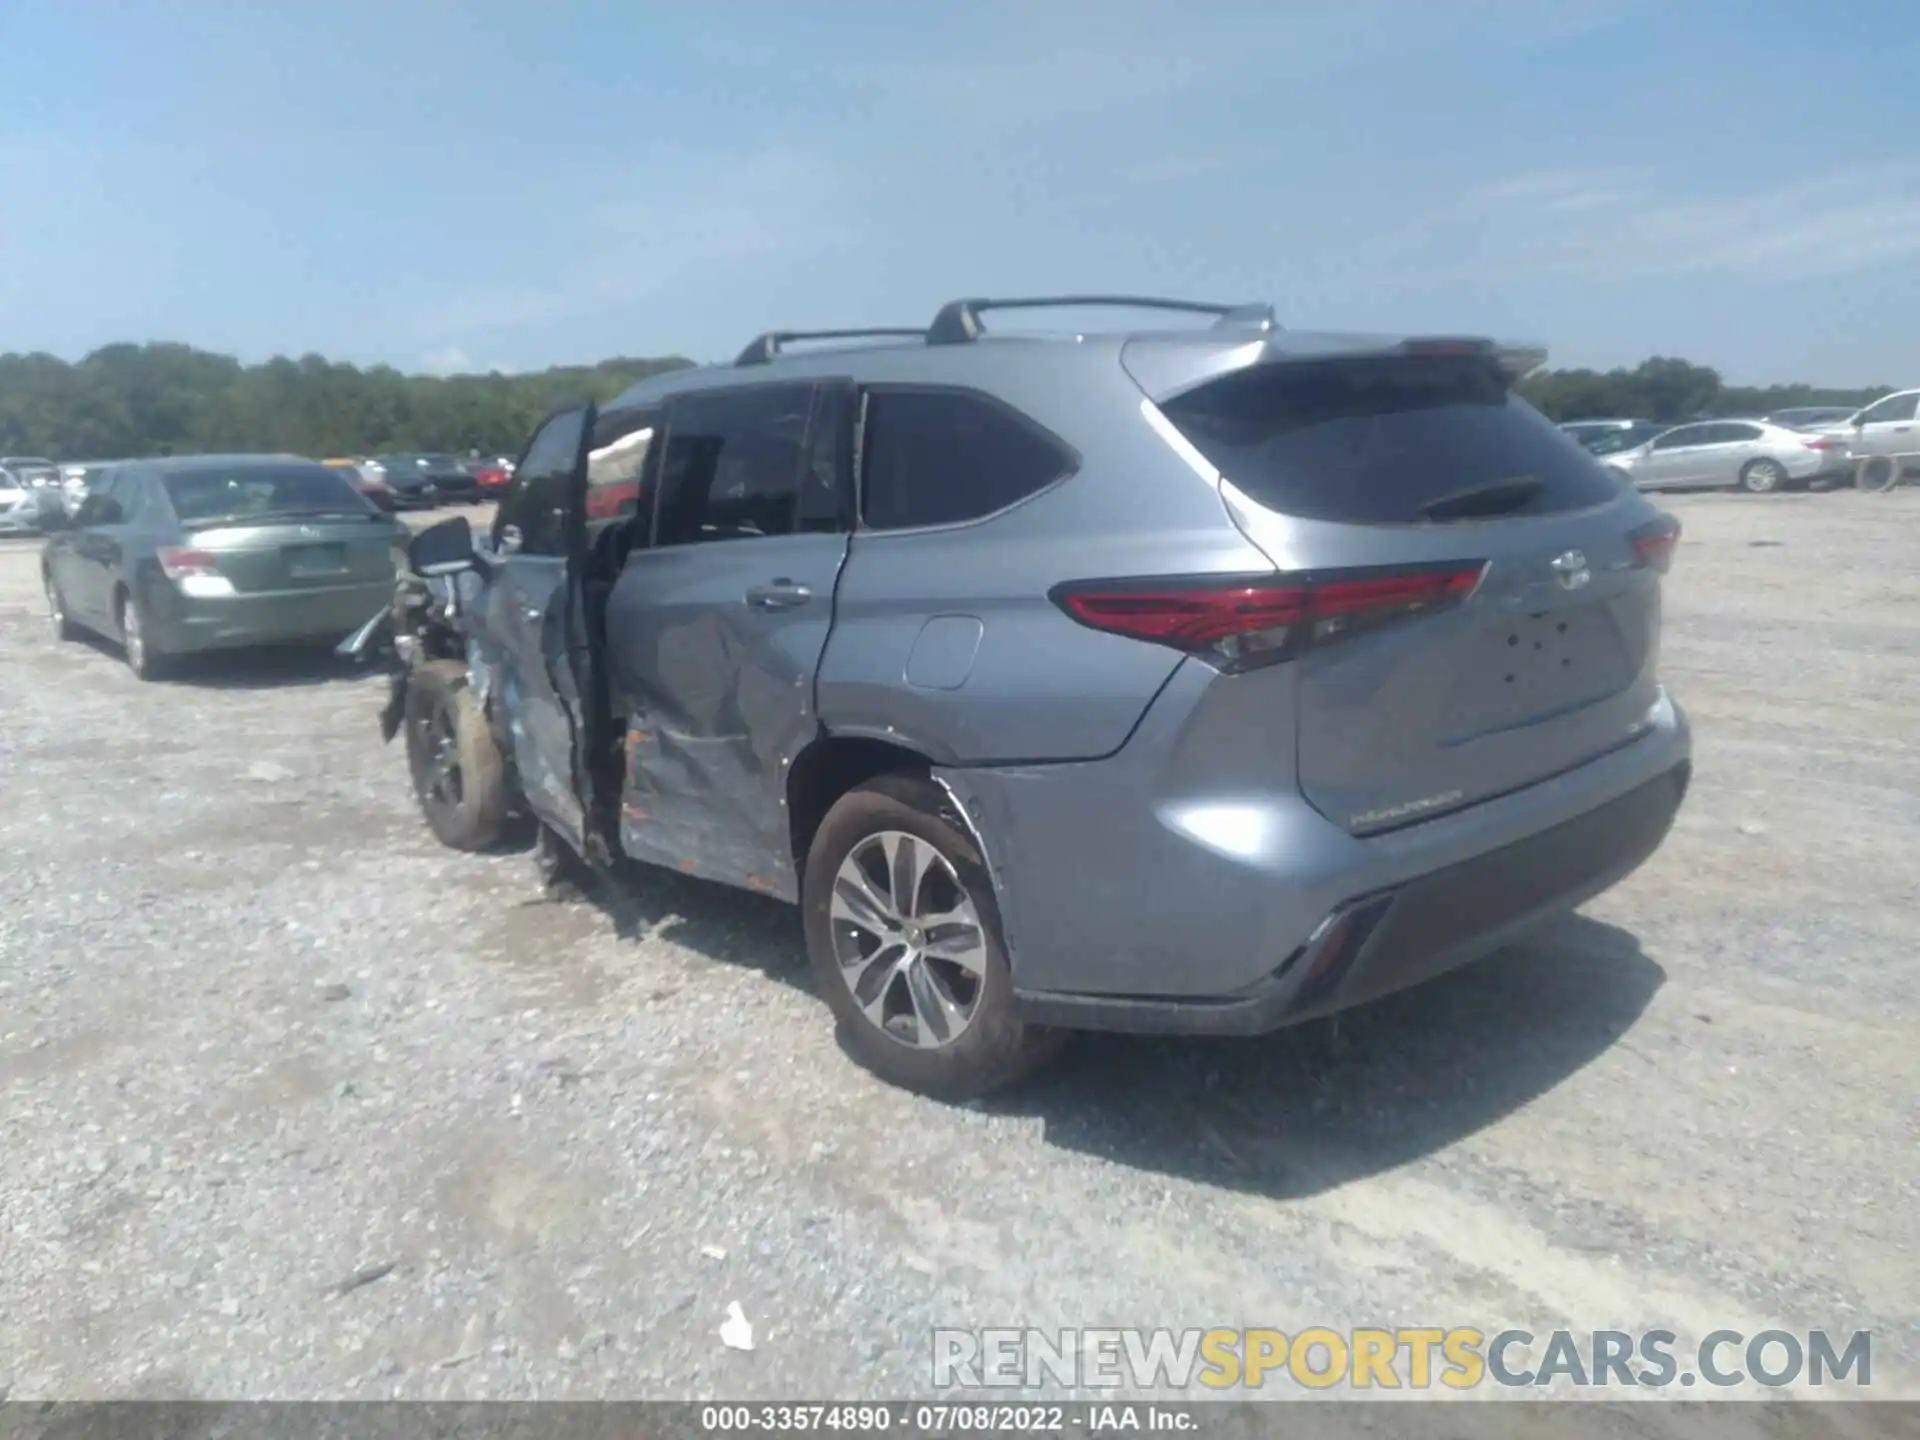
column 1668, row 389
column 171, row 399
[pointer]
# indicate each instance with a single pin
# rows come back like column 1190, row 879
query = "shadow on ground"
column 734, row 927
column 1309, row 1109
column 1295, row 1113
column 278, row 668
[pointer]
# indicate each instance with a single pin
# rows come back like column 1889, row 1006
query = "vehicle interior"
column 622, row 453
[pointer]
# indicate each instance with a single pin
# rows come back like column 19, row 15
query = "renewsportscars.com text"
column 1403, row 1357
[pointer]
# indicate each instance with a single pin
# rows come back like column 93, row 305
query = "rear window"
column 1387, row 440
column 263, row 491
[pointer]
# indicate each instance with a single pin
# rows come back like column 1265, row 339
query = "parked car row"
column 1797, row 447
column 421, row 481
column 33, row 488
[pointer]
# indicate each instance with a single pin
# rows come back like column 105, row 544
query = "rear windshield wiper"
column 1496, row 497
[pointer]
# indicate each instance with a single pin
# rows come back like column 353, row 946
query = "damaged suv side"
column 1183, row 680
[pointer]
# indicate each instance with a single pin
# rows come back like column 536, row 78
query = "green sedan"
column 214, row 552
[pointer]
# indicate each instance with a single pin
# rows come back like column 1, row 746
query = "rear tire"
column 920, row 987
column 144, row 657
column 459, row 776
column 63, row 628
column 1763, row 477
column 1877, row 474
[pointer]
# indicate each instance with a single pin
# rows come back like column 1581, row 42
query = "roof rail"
column 959, row 320
column 765, row 347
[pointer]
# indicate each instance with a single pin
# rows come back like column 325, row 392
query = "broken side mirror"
column 443, row 549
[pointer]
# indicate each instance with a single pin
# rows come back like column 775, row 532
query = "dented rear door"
column 715, row 632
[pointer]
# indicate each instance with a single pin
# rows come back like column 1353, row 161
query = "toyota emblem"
column 1571, row 570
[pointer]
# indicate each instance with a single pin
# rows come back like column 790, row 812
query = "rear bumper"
column 1376, row 944
column 1139, row 893
column 1820, row 465
column 183, row 625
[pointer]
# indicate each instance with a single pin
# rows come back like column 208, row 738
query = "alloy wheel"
column 908, row 940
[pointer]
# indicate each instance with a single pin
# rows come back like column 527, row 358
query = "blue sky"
column 476, row 183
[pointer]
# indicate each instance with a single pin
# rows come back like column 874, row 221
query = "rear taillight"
column 1826, row 445
column 178, row 564
column 1653, row 544
column 196, row 572
column 1236, row 622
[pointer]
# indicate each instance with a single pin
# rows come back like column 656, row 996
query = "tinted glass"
column 1893, row 408
column 538, row 502
column 1685, row 435
column 939, row 457
column 139, row 505
column 1612, row 442
column 247, row 492
column 1379, row 440
column 826, row 479
column 99, row 507
column 732, row 464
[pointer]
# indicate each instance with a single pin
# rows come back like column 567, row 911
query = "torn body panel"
column 688, row 805
column 719, row 699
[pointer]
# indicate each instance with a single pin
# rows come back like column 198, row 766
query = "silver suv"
column 1191, row 680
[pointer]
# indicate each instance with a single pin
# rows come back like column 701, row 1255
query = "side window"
column 1894, row 408
column 617, row 463
column 100, row 507
column 826, row 480
column 131, row 495
column 1685, row 435
column 940, row 457
column 536, row 504
column 732, row 465
column 1741, row 433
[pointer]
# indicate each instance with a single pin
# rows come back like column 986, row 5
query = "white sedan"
column 1748, row 455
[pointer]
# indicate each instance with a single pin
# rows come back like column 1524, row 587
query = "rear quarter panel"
column 1037, row 686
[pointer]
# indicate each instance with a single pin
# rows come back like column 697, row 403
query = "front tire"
column 1763, row 477
column 905, row 940
column 459, row 776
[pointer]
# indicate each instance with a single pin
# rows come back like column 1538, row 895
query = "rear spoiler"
column 1516, row 361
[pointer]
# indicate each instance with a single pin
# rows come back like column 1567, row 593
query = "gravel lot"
column 296, row 1103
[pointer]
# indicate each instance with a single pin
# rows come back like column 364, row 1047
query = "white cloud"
column 452, row 360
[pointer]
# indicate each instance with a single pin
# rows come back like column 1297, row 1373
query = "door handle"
column 780, row 595
column 532, row 612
